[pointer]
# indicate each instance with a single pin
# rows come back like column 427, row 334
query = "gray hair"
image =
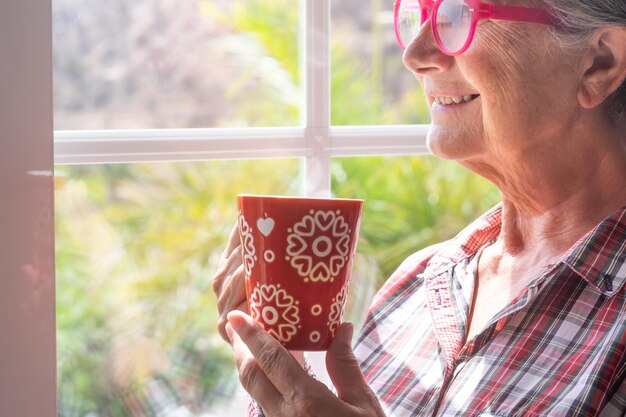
column 578, row 20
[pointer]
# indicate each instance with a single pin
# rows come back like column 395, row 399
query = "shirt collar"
column 599, row 257
column 478, row 234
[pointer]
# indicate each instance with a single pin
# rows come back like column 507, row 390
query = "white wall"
column 27, row 319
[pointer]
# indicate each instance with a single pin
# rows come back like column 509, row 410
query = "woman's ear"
column 604, row 68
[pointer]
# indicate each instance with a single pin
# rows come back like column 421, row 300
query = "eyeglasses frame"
column 479, row 11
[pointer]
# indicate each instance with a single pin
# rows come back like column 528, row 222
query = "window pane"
column 369, row 84
column 137, row 247
column 175, row 63
column 410, row 202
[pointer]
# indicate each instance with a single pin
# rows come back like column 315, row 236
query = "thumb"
column 343, row 367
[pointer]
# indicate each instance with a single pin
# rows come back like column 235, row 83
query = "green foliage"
column 83, row 333
column 410, row 202
column 354, row 101
column 136, row 250
column 272, row 23
column 268, row 36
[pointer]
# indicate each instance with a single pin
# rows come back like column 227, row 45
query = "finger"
column 233, row 240
column 252, row 378
column 223, row 320
column 226, row 268
column 343, row 367
column 233, row 291
column 275, row 361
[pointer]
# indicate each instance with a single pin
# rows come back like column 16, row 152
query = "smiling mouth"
column 454, row 100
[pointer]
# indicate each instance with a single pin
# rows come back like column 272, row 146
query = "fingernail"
column 229, row 331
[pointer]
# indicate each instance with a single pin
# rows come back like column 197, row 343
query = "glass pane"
column 369, row 83
column 175, row 63
column 410, row 202
column 136, row 249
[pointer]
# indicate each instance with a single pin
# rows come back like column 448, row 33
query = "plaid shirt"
column 558, row 349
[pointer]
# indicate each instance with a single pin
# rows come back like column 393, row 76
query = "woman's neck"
column 551, row 199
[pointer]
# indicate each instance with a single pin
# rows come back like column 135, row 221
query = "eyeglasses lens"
column 409, row 20
column 453, row 24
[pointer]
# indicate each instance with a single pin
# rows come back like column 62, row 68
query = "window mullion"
column 315, row 59
column 137, row 145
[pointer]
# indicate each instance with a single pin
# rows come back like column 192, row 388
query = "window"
column 175, row 64
column 267, row 96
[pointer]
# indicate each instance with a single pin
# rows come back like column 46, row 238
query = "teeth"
column 446, row 100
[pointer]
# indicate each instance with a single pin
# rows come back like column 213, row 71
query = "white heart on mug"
column 336, row 263
column 306, row 227
column 324, row 219
column 343, row 245
column 286, row 332
column 296, row 245
column 265, row 226
column 291, row 315
column 302, row 264
column 320, row 272
column 340, row 227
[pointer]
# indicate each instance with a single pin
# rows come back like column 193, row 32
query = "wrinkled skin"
column 281, row 386
column 228, row 283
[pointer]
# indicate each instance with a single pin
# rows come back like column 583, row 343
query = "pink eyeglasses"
column 454, row 21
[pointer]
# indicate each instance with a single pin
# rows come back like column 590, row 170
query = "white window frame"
column 27, row 287
column 316, row 140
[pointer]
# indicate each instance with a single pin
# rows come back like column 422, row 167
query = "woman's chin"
column 447, row 144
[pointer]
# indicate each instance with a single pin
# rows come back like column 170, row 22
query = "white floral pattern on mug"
column 326, row 235
column 336, row 310
column 247, row 241
column 276, row 310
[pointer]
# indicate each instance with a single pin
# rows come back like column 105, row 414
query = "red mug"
column 297, row 257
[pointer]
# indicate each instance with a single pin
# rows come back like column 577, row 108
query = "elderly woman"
column 523, row 313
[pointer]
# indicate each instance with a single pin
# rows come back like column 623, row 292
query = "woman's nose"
column 422, row 56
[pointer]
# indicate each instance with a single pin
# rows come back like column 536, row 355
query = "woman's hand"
column 283, row 389
column 229, row 283
column 229, row 286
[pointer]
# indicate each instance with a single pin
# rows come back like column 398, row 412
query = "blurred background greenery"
column 137, row 244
